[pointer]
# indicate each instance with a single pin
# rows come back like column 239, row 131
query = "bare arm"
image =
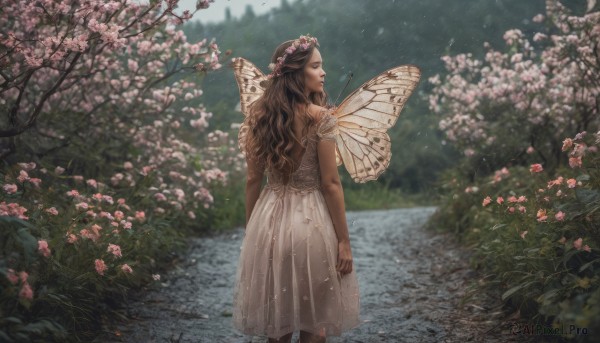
column 332, row 190
column 331, row 187
column 253, row 183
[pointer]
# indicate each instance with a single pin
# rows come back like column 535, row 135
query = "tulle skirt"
column 286, row 279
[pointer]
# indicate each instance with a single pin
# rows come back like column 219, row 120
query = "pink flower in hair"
column 290, row 50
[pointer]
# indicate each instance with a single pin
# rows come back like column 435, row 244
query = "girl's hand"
column 344, row 261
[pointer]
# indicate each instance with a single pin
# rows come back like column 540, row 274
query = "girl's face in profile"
column 314, row 75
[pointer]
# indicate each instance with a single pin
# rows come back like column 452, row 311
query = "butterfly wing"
column 363, row 118
column 250, row 82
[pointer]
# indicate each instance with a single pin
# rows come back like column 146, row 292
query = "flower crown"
column 303, row 43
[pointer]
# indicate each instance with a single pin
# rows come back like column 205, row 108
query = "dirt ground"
column 411, row 284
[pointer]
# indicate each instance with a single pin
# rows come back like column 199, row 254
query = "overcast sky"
column 216, row 11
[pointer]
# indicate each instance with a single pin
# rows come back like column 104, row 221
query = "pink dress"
column 286, row 279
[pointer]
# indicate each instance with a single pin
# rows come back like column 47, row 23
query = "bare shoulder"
column 317, row 112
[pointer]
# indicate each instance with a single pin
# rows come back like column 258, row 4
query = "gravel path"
column 411, row 282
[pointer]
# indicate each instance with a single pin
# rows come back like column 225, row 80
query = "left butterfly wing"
column 364, row 117
column 250, row 82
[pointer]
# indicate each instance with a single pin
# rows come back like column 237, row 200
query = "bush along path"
column 411, row 281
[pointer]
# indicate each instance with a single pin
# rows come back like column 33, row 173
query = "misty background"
column 365, row 38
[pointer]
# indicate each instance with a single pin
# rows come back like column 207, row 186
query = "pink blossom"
column 523, row 234
column 512, row 198
column 580, row 136
column 119, row 215
column 27, row 166
column 140, row 216
column 522, row 198
column 541, row 215
column 100, row 266
column 52, row 210
column 92, row 183
column 571, row 183
column 71, row 238
column 156, row 277
column 556, row 182
column 81, row 206
column 35, row 181
column 560, row 216
column 530, row 150
column 13, row 210
column 23, row 176
column 577, row 243
column 126, row 268
column 73, row 193
column 511, row 209
column 575, row 162
column 26, row 292
column 10, row 188
column 536, row 168
column 499, row 200
column 567, row 144
column 522, row 209
column 23, row 276
column 108, row 199
column 43, row 248
column 114, row 249
column 486, row 201
column 12, row 277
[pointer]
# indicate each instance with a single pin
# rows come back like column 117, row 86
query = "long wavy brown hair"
column 271, row 137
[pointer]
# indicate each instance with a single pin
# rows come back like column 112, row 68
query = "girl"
column 295, row 269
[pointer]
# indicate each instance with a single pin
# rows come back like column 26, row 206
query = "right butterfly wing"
column 250, row 82
column 364, row 117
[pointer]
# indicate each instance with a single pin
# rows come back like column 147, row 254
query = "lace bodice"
column 307, row 176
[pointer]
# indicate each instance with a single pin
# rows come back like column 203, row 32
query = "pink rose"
column 100, row 266
column 536, row 168
column 571, row 183
column 12, row 277
column 486, row 201
column 567, row 144
column 541, row 215
column 26, row 292
column 43, row 248
column 575, row 162
column 10, row 188
column 114, row 249
column 499, row 200
column 126, row 268
column 52, row 211
column 560, row 216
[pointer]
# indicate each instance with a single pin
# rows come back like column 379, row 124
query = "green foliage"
column 70, row 300
column 541, row 250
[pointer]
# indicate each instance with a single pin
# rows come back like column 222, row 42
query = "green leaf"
column 29, row 243
column 515, row 289
column 585, row 266
column 583, row 177
column 4, row 337
column 13, row 320
column 498, row 226
column 588, row 196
